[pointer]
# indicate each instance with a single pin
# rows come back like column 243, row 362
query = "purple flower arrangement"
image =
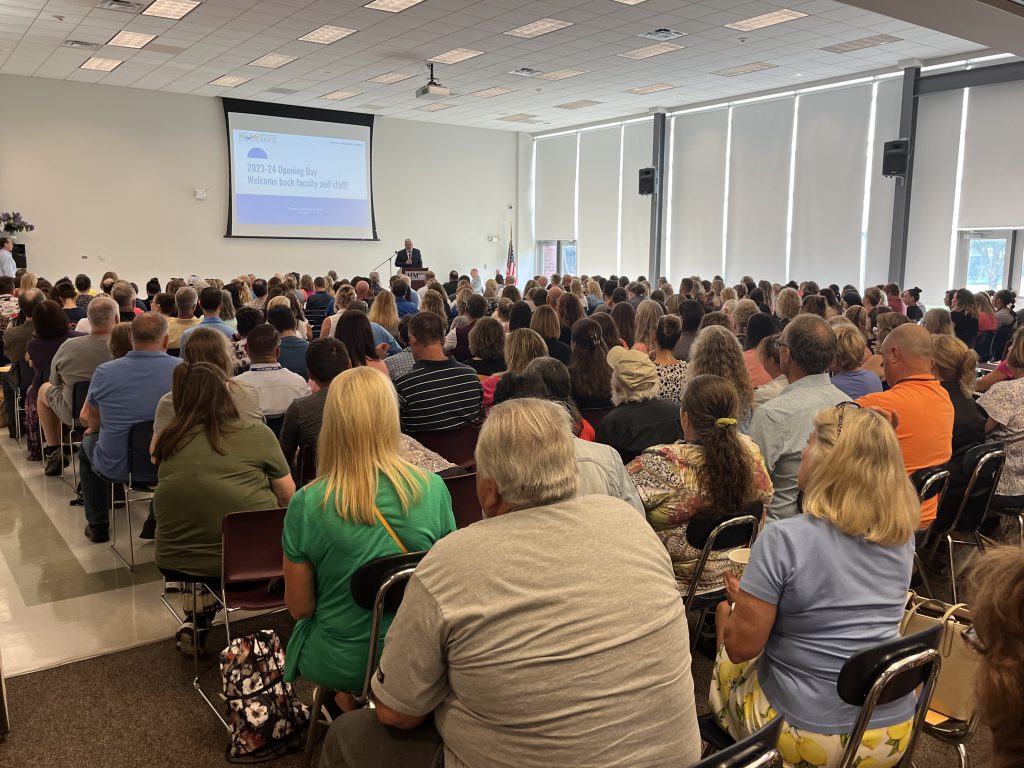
column 13, row 222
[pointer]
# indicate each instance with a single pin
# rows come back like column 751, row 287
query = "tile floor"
column 61, row 596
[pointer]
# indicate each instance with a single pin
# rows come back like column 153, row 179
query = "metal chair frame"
column 20, row 394
column 129, row 488
column 320, row 692
column 928, row 490
column 69, row 433
column 995, row 454
column 955, row 733
column 759, row 750
column 710, row 598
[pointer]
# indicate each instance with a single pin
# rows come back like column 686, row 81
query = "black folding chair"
column 275, row 423
column 305, row 465
column 877, row 675
column 74, row 433
column 377, row 586
column 25, row 374
column 985, row 465
column 930, row 483
column 717, row 533
column 142, row 477
column 465, row 504
column 759, row 750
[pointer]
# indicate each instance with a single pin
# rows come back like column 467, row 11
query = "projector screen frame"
column 270, row 109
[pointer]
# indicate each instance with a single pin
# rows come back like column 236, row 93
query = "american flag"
column 510, row 264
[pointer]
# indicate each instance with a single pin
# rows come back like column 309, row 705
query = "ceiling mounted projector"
column 432, row 90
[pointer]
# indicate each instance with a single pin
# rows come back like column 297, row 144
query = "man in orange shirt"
column 921, row 405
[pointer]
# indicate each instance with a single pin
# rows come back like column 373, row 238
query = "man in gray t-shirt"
column 549, row 634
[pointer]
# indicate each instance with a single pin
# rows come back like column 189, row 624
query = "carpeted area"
column 137, row 709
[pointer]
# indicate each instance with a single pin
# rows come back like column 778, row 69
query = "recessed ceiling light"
column 124, row 39
column 392, row 6
column 390, row 77
column 651, row 88
column 860, row 43
column 651, row 50
column 437, row 106
column 328, row 33
column 562, row 74
column 766, row 20
column 339, row 95
column 273, row 60
column 488, row 93
column 171, row 9
column 103, row 65
column 744, row 69
column 455, row 55
column 520, row 117
column 578, row 104
column 538, row 28
column 230, row 81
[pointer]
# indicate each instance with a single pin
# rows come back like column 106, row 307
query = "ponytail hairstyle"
column 1007, row 297
column 953, row 361
column 725, row 477
column 915, row 293
column 589, row 372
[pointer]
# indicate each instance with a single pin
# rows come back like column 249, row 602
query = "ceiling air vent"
column 121, row 5
column 283, row 91
column 662, row 35
column 525, row 72
column 80, row 45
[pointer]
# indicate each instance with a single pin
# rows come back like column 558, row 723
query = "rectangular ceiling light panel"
column 766, row 20
column 538, row 28
column 651, row 50
column 327, row 34
column 171, row 9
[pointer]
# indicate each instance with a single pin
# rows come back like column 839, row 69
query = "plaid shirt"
column 400, row 364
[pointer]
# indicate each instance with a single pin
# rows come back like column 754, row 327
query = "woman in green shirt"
column 211, row 463
column 335, row 525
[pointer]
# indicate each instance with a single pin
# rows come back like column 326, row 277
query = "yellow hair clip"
column 723, row 423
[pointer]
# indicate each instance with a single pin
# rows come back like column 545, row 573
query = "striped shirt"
column 438, row 395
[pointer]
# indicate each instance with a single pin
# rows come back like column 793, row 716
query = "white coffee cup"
column 738, row 559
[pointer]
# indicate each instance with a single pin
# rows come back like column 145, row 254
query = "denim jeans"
column 96, row 490
column 358, row 740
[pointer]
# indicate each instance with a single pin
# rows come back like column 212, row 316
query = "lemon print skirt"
column 740, row 707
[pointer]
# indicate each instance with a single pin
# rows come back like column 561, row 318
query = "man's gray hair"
column 526, row 448
column 811, row 343
column 148, row 328
column 185, row 301
column 102, row 313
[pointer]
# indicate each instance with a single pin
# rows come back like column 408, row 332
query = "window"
column 989, row 259
column 557, row 256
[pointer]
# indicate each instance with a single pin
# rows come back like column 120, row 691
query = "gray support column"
column 901, row 204
column 657, row 209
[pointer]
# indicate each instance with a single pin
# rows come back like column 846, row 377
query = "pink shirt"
column 758, row 375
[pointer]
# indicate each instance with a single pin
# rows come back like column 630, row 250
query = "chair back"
column 306, row 464
column 595, row 416
column 930, row 482
column 1001, row 339
column 758, row 750
column 251, row 545
column 456, row 445
column 79, row 393
column 465, row 504
column 140, row 468
column 984, row 465
column 379, row 586
column 885, row 673
column 275, row 423
column 25, row 377
column 716, row 533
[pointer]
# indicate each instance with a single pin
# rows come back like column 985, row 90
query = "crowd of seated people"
column 682, row 403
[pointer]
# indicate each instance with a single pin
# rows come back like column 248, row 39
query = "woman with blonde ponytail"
column 715, row 470
column 366, row 502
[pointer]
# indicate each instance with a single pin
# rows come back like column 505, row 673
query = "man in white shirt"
column 475, row 282
column 489, row 660
column 7, row 266
column 275, row 385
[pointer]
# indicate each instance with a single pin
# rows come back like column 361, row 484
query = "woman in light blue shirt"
column 820, row 587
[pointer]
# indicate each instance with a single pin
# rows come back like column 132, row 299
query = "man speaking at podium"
column 409, row 257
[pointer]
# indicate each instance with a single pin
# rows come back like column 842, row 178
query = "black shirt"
column 558, row 350
column 486, row 367
column 965, row 328
column 915, row 313
column 633, row 427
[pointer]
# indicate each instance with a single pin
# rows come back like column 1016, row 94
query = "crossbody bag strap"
column 388, row 528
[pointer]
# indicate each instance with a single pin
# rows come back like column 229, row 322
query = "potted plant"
column 13, row 223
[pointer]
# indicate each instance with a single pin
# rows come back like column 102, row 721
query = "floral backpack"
column 265, row 717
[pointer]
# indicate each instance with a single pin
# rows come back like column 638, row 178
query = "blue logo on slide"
column 257, row 152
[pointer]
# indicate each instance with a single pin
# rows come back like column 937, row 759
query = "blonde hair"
column 522, row 346
column 545, row 322
column 787, row 304
column 858, row 481
column 717, row 351
column 28, row 282
column 433, row 303
column 384, row 312
column 344, row 296
column 938, row 321
column 358, row 447
column 953, row 361
column 648, row 315
column 278, row 301
column 887, row 323
column 850, row 347
column 206, row 345
column 727, row 294
column 984, row 304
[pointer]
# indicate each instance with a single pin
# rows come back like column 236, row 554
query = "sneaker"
column 96, row 534
column 53, row 462
column 148, row 529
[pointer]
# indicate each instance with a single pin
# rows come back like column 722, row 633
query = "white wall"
column 107, row 173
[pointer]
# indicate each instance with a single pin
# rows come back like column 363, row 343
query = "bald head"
column 149, row 332
column 906, row 352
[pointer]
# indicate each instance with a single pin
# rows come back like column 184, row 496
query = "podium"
column 418, row 276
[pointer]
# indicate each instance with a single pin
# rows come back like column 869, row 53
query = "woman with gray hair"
column 640, row 418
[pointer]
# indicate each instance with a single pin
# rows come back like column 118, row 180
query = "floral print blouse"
column 666, row 479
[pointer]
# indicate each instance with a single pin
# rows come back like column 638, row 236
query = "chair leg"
column 701, row 618
column 130, row 562
column 961, row 750
column 1020, row 522
column 952, row 568
column 319, row 694
column 924, row 576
